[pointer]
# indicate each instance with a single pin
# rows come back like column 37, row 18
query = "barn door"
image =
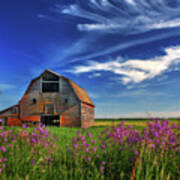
column 50, row 120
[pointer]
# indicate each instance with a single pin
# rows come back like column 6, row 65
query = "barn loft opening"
column 50, row 87
column 50, row 83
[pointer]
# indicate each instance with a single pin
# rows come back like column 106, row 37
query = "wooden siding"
column 27, row 106
column 62, row 100
column 13, row 121
column 71, row 117
column 72, row 103
column 31, row 118
column 10, row 112
column 87, row 115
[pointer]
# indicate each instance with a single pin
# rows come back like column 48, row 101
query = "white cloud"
column 140, row 93
column 168, row 24
column 123, row 45
column 136, row 70
column 5, row 87
column 131, row 2
column 125, row 16
column 94, row 75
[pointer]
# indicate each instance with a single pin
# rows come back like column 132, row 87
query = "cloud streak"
column 125, row 16
column 4, row 87
column 136, row 70
column 126, row 45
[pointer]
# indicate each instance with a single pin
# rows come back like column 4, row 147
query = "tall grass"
column 119, row 152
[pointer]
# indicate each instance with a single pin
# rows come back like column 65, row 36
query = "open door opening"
column 50, row 120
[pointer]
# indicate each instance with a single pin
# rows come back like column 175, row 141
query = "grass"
column 65, row 134
column 138, row 123
column 76, row 162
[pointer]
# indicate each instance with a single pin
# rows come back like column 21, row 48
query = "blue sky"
column 125, row 53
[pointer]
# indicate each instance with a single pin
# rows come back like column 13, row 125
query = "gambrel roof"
column 81, row 93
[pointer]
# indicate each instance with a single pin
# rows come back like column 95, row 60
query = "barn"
column 53, row 100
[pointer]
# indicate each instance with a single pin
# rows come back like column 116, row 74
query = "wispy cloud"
column 94, row 75
column 5, row 87
column 136, row 70
column 117, row 17
column 141, row 93
column 125, row 16
column 120, row 46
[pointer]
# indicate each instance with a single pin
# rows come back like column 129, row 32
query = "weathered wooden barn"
column 51, row 99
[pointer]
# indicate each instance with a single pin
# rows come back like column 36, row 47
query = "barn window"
column 34, row 101
column 50, row 87
column 50, row 83
column 66, row 101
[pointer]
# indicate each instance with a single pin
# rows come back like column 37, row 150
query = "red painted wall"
column 71, row 117
column 31, row 118
column 14, row 121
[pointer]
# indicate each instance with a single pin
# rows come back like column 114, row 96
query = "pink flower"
column 3, row 149
column 4, row 159
column 102, row 168
column 75, row 145
column 89, row 134
column 95, row 149
column 152, row 145
column 103, row 162
column 79, row 133
column 136, row 152
column 87, row 159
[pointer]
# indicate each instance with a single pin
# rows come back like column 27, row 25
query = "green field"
column 103, row 152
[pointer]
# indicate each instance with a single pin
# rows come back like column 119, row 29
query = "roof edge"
column 7, row 109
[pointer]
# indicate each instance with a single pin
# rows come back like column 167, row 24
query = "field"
column 105, row 151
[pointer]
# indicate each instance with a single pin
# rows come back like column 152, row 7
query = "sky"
column 125, row 53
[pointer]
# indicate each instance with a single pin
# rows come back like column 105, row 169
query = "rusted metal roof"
column 81, row 93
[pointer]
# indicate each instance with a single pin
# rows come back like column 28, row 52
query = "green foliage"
column 92, row 154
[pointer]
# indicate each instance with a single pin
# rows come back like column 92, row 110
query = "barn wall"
column 67, row 93
column 27, row 107
column 13, row 121
column 62, row 100
column 71, row 117
column 31, row 118
column 87, row 115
